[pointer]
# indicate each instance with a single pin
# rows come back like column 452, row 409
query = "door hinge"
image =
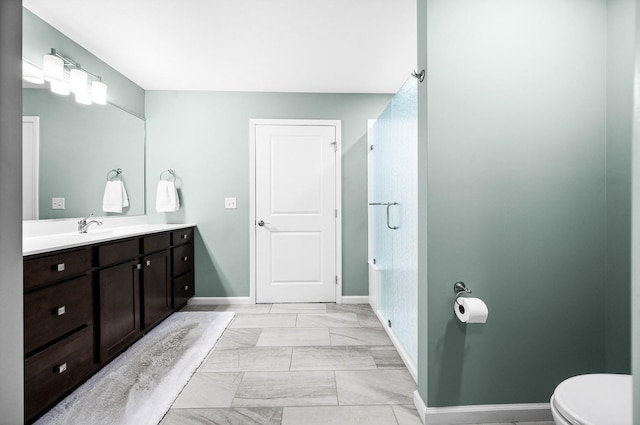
column 336, row 280
column 335, row 146
column 336, row 213
column 371, row 148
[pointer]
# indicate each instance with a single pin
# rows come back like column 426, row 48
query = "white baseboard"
column 420, row 406
column 219, row 300
column 482, row 414
column 355, row 300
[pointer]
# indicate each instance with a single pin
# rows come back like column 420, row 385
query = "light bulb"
column 52, row 68
column 83, row 98
column 61, row 88
column 99, row 92
column 78, row 81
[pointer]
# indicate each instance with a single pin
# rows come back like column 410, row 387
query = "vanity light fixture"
column 66, row 76
column 32, row 73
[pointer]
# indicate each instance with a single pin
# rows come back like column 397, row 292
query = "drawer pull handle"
column 60, row 310
column 186, row 287
column 185, row 258
column 61, row 368
column 184, row 236
column 148, row 263
column 138, row 266
column 61, row 267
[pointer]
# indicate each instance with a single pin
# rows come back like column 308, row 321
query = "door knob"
column 262, row 223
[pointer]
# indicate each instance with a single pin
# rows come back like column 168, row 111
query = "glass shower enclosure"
column 393, row 218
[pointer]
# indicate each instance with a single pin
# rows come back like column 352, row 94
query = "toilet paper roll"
column 471, row 310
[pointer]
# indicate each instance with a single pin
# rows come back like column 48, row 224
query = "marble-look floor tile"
column 339, row 415
column 293, row 337
column 286, row 389
column 240, row 416
column 263, row 321
column 330, row 320
column 406, row 415
column 300, row 308
column 238, row 338
column 249, row 359
column 364, row 387
column 386, row 357
column 369, row 320
column 332, row 358
column 359, row 336
column 350, row 308
column 236, row 308
column 206, row 390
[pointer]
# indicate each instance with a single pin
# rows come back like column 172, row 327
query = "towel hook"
column 118, row 172
column 170, row 171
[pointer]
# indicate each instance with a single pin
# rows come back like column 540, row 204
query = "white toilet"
column 594, row 399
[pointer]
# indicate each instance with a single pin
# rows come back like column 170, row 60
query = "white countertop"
column 37, row 244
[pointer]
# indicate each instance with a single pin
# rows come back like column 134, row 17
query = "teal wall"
column 38, row 37
column 11, row 315
column 620, row 69
column 204, row 136
column 516, row 202
column 423, row 192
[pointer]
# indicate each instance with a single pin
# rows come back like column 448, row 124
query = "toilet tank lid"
column 595, row 399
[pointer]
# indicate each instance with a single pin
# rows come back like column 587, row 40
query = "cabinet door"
column 119, row 308
column 156, row 290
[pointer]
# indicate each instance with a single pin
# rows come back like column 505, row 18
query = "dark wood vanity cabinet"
column 119, row 306
column 84, row 306
column 183, row 276
column 58, row 326
column 156, row 282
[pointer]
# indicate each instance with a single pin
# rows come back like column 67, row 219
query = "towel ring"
column 118, row 172
column 170, row 171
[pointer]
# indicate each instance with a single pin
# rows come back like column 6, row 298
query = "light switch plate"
column 230, row 203
column 57, row 203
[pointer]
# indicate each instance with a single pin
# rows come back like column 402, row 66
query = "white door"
column 296, row 212
column 30, row 149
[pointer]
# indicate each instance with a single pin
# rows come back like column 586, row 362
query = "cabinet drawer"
column 183, row 289
column 156, row 242
column 53, row 372
column 55, row 267
column 182, row 236
column 51, row 312
column 182, row 259
column 118, row 252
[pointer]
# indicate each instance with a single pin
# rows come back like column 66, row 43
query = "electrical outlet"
column 230, row 203
column 57, row 203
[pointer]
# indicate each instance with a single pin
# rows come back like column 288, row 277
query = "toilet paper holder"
column 460, row 289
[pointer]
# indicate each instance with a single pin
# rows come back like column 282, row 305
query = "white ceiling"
column 330, row 46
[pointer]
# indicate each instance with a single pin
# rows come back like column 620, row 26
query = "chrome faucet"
column 83, row 225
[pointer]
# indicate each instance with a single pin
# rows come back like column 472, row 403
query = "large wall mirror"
column 79, row 145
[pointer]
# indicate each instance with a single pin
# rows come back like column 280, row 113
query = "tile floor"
column 299, row 364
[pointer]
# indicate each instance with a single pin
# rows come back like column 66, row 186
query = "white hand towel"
column 115, row 197
column 167, row 197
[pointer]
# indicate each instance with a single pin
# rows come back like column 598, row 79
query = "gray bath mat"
column 139, row 386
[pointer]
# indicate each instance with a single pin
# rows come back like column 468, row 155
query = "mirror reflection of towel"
column 115, row 197
column 167, row 197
